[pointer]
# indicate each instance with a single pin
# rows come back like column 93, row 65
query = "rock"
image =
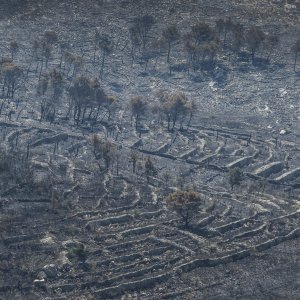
column 289, row 7
column 282, row 92
column 40, row 283
column 41, row 275
column 63, row 262
column 47, row 240
column 50, row 271
column 282, row 132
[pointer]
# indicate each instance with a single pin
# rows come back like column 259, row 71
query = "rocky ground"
column 111, row 236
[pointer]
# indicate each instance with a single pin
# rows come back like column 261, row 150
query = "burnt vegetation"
column 149, row 149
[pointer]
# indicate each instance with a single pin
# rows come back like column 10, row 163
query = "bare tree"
column 138, row 107
column 43, row 85
column 133, row 159
column 104, row 150
column 10, row 76
column 254, row 39
column 135, row 41
column 81, row 95
column 209, row 51
column 87, row 96
column 42, row 48
column 223, row 28
column 175, row 107
column 202, row 32
column 34, row 55
column 77, row 64
column 63, row 48
column 231, row 33
column 14, row 48
column 192, row 108
column 170, row 35
column 235, row 177
column 296, row 49
column 106, row 47
column 200, row 42
column 46, row 54
column 54, row 84
column 142, row 26
column 50, row 37
column 150, row 169
column 271, row 42
column 238, row 37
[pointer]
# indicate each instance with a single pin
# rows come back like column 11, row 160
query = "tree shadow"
column 180, row 67
column 215, row 71
column 243, row 56
column 261, row 63
column 196, row 77
column 143, row 74
column 276, row 66
column 297, row 73
column 116, row 87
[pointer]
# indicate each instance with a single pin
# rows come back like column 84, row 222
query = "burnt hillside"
column 149, row 149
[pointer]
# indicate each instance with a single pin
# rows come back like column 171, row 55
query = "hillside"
column 150, row 149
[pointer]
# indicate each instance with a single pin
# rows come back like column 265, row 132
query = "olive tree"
column 176, row 108
column 87, row 98
column 185, row 204
column 138, row 107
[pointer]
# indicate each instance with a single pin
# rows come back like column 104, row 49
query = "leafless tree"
column 296, row 49
column 170, row 35
column 254, row 38
column 138, row 107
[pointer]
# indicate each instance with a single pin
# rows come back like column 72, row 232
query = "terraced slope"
column 132, row 244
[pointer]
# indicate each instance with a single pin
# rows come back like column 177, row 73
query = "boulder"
column 50, row 271
column 282, row 132
column 63, row 262
column 40, row 283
